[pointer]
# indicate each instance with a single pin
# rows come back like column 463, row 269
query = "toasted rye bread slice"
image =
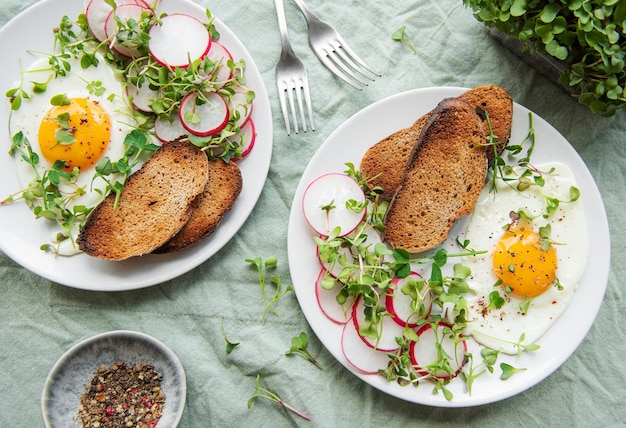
column 155, row 204
column 382, row 164
column 219, row 196
column 443, row 180
column 498, row 103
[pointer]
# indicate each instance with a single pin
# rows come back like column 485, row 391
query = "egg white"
column 31, row 112
column 501, row 329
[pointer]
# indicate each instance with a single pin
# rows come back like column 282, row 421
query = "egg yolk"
column 523, row 266
column 77, row 133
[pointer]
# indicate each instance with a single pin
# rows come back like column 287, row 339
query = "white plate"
column 348, row 143
column 66, row 383
column 21, row 235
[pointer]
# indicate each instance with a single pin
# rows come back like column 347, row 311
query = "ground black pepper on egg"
column 120, row 395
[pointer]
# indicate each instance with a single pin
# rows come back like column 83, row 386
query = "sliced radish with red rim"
column 240, row 107
column 362, row 357
column 400, row 305
column 327, row 299
column 219, row 54
column 324, row 204
column 387, row 329
column 425, row 356
column 123, row 13
column 141, row 94
column 203, row 114
column 249, row 137
column 335, row 267
column 170, row 129
column 179, row 40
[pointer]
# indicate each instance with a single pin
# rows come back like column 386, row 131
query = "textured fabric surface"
column 40, row 320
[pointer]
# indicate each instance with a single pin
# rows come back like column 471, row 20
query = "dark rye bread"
column 444, row 177
column 383, row 163
column 220, row 194
column 155, row 204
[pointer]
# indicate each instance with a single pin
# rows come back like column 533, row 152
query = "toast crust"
column 444, row 177
column 383, row 163
column 218, row 198
column 155, row 204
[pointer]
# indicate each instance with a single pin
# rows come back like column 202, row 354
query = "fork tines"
column 294, row 93
column 339, row 58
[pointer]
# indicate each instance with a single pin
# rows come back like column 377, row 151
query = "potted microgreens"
column 582, row 43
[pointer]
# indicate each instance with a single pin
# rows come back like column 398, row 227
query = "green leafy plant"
column 229, row 345
column 279, row 290
column 587, row 37
column 298, row 346
column 260, row 392
column 399, row 35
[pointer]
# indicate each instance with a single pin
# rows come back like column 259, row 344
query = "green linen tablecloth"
column 40, row 320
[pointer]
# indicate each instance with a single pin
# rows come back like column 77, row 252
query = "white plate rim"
column 79, row 381
column 17, row 237
column 348, row 143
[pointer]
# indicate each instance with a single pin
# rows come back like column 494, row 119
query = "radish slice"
column 362, row 357
column 125, row 13
column 169, row 130
column 96, row 13
column 249, row 132
column 239, row 106
column 388, row 332
column 327, row 301
column 179, row 40
column 142, row 96
column 399, row 304
column 423, row 353
column 219, row 54
column 334, row 268
column 332, row 189
column 203, row 119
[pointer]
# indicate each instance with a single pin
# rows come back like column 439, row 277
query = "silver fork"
column 334, row 52
column 291, row 78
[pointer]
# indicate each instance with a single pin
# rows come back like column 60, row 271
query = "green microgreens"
column 261, row 392
column 279, row 291
column 400, row 35
column 73, row 39
column 299, row 346
column 229, row 345
column 43, row 195
column 138, row 147
column 365, row 270
column 585, row 36
column 520, row 175
column 508, row 370
column 496, row 301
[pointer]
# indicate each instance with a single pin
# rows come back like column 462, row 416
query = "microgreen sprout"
column 279, row 291
column 508, row 370
column 229, row 345
column 400, row 36
column 299, row 346
column 261, row 392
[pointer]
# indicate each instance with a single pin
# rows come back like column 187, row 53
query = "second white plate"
column 348, row 143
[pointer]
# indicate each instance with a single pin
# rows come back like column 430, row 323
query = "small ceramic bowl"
column 66, row 383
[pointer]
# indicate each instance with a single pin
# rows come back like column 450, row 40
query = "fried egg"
column 79, row 119
column 532, row 264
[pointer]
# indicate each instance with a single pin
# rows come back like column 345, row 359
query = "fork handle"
column 308, row 15
column 282, row 24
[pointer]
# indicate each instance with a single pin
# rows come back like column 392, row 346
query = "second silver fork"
column 291, row 80
column 333, row 51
